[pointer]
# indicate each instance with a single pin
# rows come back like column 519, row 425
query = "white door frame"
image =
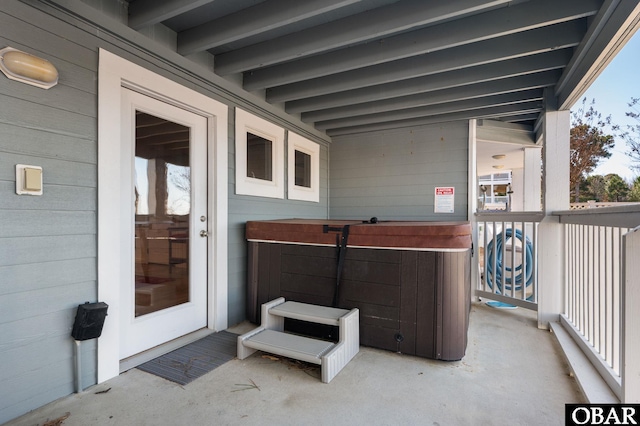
column 113, row 230
column 139, row 333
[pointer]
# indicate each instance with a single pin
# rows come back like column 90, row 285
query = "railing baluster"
column 594, row 292
column 514, row 248
column 534, row 263
column 616, row 304
column 523, row 260
column 569, row 291
column 610, row 299
column 485, row 253
column 593, row 287
column 503, row 275
column 495, row 258
column 597, row 301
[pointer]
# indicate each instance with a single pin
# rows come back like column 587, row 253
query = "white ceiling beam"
column 496, row 87
column 482, row 73
column 149, row 12
column 540, row 40
column 254, row 20
column 448, row 108
column 373, row 24
column 496, row 23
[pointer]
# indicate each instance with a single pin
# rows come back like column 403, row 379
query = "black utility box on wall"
column 89, row 321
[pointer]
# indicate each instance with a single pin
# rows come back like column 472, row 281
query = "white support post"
column 527, row 182
column 532, row 188
column 473, row 206
column 630, row 297
column 550, row 231
column 519, row 196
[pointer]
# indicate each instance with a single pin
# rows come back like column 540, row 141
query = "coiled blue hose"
column 495, row 246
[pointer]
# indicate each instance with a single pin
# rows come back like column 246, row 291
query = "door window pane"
column 162, row 209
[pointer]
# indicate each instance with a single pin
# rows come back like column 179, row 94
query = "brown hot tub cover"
column 392, row 234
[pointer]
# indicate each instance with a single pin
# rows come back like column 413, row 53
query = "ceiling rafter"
column 492, row 24
column 540, row 40
column 251, row 21
column 143, row 13
column 462, row 77
column 342, row 66
column 612, row 27
column 369, row 25
column 446, row 108
column 480, row 90
column 485, row 112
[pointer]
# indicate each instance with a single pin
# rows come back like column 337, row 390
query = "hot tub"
column 410, row 280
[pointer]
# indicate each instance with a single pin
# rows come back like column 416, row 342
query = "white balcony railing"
column 508, row 257
column 595, row 258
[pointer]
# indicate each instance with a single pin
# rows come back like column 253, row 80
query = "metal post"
column 78, row 361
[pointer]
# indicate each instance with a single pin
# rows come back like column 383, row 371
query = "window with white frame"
column 259, row 156
column 304, row 169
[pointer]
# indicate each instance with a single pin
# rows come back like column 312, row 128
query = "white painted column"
column 472, row 188
column 532, row 183
column 551, row 277
column 630, row 319
column 518, row 177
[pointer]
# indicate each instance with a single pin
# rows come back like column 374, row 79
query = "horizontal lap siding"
column 393, row 174
column 48, row 242
column 244, row 208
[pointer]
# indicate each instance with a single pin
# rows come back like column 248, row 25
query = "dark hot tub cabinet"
column 410, row 280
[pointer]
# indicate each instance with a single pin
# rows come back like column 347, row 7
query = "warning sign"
column 444, row 199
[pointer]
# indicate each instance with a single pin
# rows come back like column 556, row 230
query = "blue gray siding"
column 48, row 243
column 243, row 208
column 392, row 174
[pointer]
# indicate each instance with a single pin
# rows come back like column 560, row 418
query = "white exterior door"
column 165, row 294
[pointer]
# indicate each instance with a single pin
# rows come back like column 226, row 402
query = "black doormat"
column 195, row 359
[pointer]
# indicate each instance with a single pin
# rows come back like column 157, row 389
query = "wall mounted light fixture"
column 24, row 67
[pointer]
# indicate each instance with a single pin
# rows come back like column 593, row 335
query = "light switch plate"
column 28, row 180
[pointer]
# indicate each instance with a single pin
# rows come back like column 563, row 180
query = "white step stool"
column 270, row 336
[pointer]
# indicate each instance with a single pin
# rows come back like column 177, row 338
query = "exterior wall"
column 48, row 243
column 392, row 174
column 243, row 208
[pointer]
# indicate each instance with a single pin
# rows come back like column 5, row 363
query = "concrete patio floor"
column 512, row 374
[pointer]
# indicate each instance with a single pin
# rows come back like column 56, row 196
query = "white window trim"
column 247, row 122
column 113, row 73
column 298, row 143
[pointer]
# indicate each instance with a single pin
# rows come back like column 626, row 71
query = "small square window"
column 259, row 156
column 304, row 169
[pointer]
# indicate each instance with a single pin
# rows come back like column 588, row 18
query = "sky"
column 612, row 92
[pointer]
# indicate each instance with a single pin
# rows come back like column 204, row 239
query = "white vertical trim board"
column 246, row 185
column 473, row 202
column 298, row 143
column 113, row 228
column 631, row 320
